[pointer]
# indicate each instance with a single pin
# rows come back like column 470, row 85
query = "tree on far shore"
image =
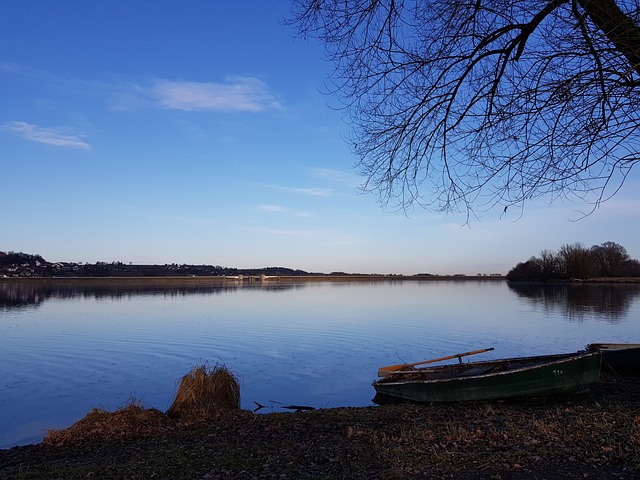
column 575, row 261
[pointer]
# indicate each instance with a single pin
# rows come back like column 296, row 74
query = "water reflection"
column 68, row 346
column 16, row 295
column 578, row 301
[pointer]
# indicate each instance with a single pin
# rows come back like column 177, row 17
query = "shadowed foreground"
column 596, row 435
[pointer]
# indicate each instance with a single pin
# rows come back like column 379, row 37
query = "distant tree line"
column 576, row 261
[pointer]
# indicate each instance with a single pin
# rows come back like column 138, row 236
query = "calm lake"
column 68, row 347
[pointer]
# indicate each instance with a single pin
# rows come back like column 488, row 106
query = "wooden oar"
column 384, row 371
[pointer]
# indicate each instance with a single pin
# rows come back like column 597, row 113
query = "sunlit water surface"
column 66, row 350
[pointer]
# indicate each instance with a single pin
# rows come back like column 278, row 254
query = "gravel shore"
column 594, row 435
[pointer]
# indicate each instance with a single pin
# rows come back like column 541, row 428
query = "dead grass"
column 203, row 395
column 129, row 421
column 204, row 392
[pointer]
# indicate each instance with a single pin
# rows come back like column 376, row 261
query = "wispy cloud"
column 292, row 233
column 339, row 176
column 236, row 94
column 9, row 68
column 312, row 191
column 272, row 208
column 281, row 209
column 57, row 137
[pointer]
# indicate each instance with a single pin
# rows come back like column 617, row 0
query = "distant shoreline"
column 253, row 279
column 270, row 279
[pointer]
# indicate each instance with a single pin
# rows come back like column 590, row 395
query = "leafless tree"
column 550, row 264
column 577, row 261
column 610, row 259
column 467, row 105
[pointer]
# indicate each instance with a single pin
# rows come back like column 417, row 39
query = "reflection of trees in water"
column 575, row 301
column 16, row 296
column 31, row 294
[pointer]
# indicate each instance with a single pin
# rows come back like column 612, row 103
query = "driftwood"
column 297, row 408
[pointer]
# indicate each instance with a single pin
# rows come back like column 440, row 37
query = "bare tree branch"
column 459, row 105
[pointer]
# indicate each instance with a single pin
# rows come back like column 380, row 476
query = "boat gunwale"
column 613, row 347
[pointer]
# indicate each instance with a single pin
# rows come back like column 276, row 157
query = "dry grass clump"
column 205, row 392
column 130, row 421
column 202, row 395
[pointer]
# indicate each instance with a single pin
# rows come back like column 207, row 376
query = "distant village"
column 14, row 264
column 18, row 264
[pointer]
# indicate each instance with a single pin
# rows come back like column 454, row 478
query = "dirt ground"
column 594, row 435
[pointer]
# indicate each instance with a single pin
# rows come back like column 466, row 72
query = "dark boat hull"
column 501, row 379
column 619, row 358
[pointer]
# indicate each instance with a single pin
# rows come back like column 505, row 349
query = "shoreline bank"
column 592, row 435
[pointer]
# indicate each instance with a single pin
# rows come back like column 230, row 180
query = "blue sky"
column 197, row 132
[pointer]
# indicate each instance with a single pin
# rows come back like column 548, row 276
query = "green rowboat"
column 494, row 379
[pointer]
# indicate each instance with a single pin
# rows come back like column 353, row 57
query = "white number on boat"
column 558, row 372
